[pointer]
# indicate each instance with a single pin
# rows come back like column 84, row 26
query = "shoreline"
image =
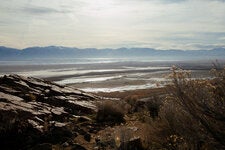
column 139, row 93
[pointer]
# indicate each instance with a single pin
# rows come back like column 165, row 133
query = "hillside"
column 34, row 111
column 38, row 114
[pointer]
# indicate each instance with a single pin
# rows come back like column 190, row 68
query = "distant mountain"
column 9, row 53
column 67, row 52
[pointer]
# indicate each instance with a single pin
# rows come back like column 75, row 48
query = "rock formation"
column 33, row 109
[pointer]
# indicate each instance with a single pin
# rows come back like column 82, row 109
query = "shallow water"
column 98, row 75
column 122, row 88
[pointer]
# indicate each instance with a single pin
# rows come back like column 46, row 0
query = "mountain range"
column 68, row 52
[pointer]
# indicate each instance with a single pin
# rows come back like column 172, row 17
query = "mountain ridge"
column 73, row 52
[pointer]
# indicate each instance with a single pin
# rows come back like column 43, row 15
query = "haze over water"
column 103, row 75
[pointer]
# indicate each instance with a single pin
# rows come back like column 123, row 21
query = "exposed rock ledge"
column 36, row 101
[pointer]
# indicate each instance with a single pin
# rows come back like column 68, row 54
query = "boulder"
column 44, row 146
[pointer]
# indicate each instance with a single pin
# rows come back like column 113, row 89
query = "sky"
column 159, row 24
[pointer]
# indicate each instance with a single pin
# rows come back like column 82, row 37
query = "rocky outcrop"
column 31, row 107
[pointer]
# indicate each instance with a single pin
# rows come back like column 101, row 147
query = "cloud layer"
column 163, row 24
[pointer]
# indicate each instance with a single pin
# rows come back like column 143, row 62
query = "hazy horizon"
column 108, row 48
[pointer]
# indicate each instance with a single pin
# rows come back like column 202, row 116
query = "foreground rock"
column 132, row 144
column 33, row 109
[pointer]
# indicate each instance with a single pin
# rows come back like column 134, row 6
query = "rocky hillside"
column 34, row 110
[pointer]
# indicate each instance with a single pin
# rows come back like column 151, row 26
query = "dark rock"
column 42, row 109
column 87, row 137
column 81, row 131
column 66, row 144
column 132, row 144
column 26, row 98
column 44, row 146
column 83, row 119
column 19, row 135
column 57, row 135
column 77, row 147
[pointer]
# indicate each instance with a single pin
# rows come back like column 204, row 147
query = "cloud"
column 42, row 10
column 178, row 1
column 165, row 1
column 3, row 23
column 38, row 10
column 29, row 7
column 220, row 0
column 113, row 23
column 172, row 1
column 202, row 46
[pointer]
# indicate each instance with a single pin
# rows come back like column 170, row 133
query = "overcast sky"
column 161, row 24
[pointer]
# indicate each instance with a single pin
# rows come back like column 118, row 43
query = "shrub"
column 110, row 111
column 132, row 102
column 202, row 106
column 153, row 106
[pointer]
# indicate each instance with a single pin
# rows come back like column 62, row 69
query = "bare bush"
column 201, row 104
column 153, row 106
column 110, row 111
column 132, row 102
